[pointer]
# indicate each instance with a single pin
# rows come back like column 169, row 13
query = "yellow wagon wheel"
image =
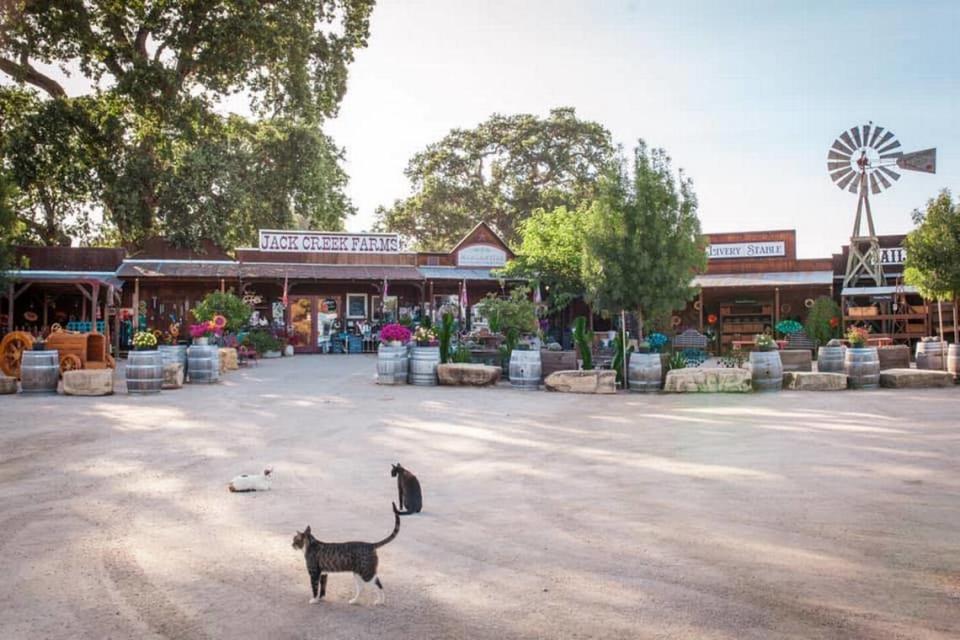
column 11, row 351
column 70, row 362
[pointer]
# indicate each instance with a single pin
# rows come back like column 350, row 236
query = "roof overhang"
column 771, row 279
column 876, row 291
column 105, row 278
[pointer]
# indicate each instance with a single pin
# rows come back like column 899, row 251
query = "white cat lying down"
column 251, row 482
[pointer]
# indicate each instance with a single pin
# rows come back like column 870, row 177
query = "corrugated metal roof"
column 178, row 269
column 329, row 272
column 773, row 279
column 102, row 277
column 876, row 291
column 457, row 273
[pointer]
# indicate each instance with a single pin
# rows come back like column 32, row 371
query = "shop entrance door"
column 314, row 321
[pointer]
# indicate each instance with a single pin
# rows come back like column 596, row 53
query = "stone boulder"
column 88, row 382
column 228, row 359
column 796, row 360
column 172, row 375
column 698, row 380
column 808, row 381
column 915, row 379
column 467, row 374
column 595, row 381
column 7, row 385
column 895, row 356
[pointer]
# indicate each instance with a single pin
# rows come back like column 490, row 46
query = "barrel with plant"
column 860, row 362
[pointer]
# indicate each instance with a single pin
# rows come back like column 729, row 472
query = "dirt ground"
column 546, row 516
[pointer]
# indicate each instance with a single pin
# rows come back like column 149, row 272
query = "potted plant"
column 647, row 365
column 144, row 371
column 201, row 332
column 392, row 354
column 766, row 369
column 860, row 362
column 395, row 335
column 424, row 336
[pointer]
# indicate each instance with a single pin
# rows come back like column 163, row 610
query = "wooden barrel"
column 953, row 360
column 644, row 372
column 422, row 368
column 144, row 372
column 766, row 370
column 930, row 355
column 174, row 353
column 392, row 364
column 39, row 371
column 203, row 363
column 830, row 359
column 862, row 367
column 525, row 368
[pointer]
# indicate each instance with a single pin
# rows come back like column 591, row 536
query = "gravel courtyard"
column 546, row 516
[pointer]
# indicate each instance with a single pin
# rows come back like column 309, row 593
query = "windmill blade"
column 883, row 180
column 874, row 187
column 925, row 161
column 840, row 175
column 842, row 148
column 890, row 172
column 886, row 137
column 833, row 166
column 855, row 185
column 892, row 145
column 846, row 138
column 833, row 155
column 856, row 135
column 843, row 183
column 876, row 134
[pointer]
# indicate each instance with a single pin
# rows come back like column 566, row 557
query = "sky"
column 746, row 97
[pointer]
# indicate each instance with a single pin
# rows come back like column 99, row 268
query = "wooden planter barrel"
column 392, row 364
column 422, row 368
column 862, row 367
column 830, row 359
column 203, row 362
column 766, row 370
column 144, row 372
column 525, row 369
column 931, row 355
column 953, row 360
column 644, row 373
column 39, row 371
column 174, row 353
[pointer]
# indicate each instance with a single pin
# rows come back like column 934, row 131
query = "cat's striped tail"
column 396, row 528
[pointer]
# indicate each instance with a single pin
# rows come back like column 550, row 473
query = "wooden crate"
column 862, row 312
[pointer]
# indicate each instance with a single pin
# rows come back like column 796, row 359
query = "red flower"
column 711, row 319
column 834, row 321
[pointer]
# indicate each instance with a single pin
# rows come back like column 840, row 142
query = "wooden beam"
column 776, row 307
column 86, row 295
column 16, row 293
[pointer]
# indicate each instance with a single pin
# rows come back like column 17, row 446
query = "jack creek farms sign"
column 321, row 242
column 747, row 250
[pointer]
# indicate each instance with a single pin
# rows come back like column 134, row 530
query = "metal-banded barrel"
column 644, row 372
column 423, row 365
column 525, row 368
column 830, row 359
column 930, row 355
column 862, row 367
column 39, row 371
column 144, row 372
column 953, row 360
column 174, row 353
column 766, row 370
column 392, row 364
column 203, row 363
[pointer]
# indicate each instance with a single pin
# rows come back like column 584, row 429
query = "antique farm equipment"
column 644, row 373
column 766, row 370
column 862, row 366
column 423, row 365
column 144, row 372
column 525, row 368
column 39, row 371
column 391, row 364
column 862, row 160
column 77, row 350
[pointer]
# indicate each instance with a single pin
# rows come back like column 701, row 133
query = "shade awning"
column 458, row 273
column 178, row 269
column 877, row 291
column 772, row 279
column 106, row 278
column 293, row 271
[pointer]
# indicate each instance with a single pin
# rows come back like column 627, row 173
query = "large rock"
column 466, row 374
column 915, row 378
column 228, row 359
column 808, row 381
column 895, row 356
column 172, row 375
column 698, row 380
column 796, row 360
column 88, row 382
column 596, row 381
column 7, row 385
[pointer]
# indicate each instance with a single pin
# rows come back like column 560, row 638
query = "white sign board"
column 747, row 250
column 321, row 242
column 481, row 255
column 893, row 255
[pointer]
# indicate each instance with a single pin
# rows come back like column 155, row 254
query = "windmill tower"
column 862, row 160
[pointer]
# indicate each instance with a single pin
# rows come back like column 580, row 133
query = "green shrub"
column 461, row 354
column 236, row 311
column 823, row 320
column 261, row 341
column 677, row 361
column 583, row 338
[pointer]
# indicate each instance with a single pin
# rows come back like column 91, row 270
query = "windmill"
column 862, row 160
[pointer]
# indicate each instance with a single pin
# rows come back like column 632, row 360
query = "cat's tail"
column 396, row 528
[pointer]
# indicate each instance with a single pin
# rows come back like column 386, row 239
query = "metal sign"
column 893, row 255
column 323, row 242
column 481, row 255
column 747, row 250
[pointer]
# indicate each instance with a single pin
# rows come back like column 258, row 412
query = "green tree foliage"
column 823, row 320
column 551, row 253
column 515, row 312
column 235, row 310
column 9, row 226
column 933, row 250
column 643, row 242
column 499, row 172
column 158, row 69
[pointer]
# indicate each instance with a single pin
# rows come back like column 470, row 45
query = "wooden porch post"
column 106, row 314
column 10, row 298
column 136, row 305
column 222, row 287
column 46, row 304
column 776, row 308
column 95, row 288
column 83, row 305
column 701, row 309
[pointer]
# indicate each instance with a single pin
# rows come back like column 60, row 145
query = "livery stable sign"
column 324, row 242
column 747, row 250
